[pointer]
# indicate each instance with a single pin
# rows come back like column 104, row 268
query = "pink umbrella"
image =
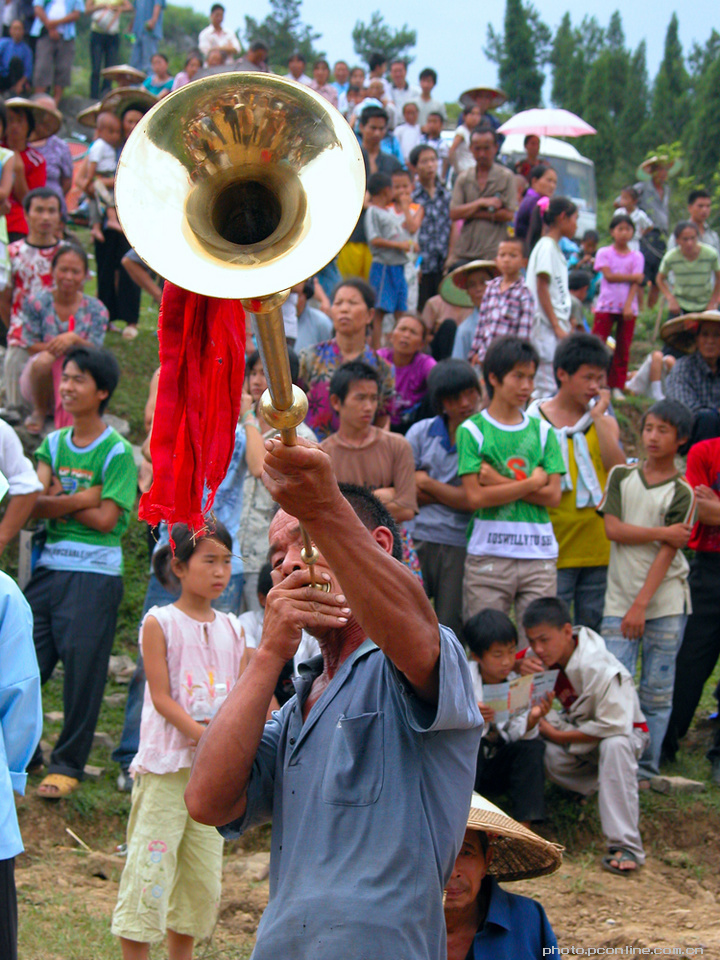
column 549, row 122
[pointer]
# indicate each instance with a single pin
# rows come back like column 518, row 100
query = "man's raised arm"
column 388, row 602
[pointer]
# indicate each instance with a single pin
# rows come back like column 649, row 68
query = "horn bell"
column 240, row 185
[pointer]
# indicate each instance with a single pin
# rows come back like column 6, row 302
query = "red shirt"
column 36, row 176
column 703, row 467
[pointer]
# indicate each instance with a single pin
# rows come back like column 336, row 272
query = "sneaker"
column 124, row 782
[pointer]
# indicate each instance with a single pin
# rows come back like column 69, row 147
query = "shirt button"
column 292, row 740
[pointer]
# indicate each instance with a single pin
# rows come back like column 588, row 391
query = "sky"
column 454, row 50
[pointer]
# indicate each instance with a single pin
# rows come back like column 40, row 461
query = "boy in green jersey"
column 510, row 466
column 89, row 481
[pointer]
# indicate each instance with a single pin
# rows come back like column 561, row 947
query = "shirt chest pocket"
column 355, row 764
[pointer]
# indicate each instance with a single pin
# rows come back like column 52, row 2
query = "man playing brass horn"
column 367, row 772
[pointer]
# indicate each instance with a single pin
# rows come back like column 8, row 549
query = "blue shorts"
column 390, row 285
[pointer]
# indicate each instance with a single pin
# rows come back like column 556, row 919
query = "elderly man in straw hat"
column 695, row 378
column 484, row 921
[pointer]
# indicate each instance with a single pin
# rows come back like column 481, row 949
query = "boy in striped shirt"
column 648, row 509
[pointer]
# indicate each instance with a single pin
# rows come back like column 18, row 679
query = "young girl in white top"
column 193, row 656
column 547, row 278
column 460, row 154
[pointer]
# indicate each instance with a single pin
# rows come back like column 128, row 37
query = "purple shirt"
column 59, row 164
column 410, row 382
column 613, row 295
column 525, row 212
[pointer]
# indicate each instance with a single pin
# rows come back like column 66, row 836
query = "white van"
column 576, row 174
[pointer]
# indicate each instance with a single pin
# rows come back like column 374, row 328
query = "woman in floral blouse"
column 351, row 313
column 55, row 321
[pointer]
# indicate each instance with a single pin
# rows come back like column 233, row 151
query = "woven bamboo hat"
column 88, row 116
column 53, row 118
column 120, row 99
column 470, row 97
column 681, row 333
column 518, row 853
column 123, row 71
column 646, row 168
column 454, row 286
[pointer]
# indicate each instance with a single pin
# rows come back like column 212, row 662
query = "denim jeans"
column 660, row 644
column 143, row 50
column 583, row 589
column 157, row 596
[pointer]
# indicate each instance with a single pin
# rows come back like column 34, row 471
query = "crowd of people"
column 461, row 462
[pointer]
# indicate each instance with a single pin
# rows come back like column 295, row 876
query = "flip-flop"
column 130, row 332
column 59, row 782
column 620, row 855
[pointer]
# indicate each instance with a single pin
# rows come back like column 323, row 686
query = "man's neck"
column 371, row 151
column 355, row 436
column 508, row 280
column 462, row 921
column 563, row 410
column 482, row 173
column 700, row 224
column 338, row 645
column 41, row 239
column 660, row 468
column 504, row 412
column 87, row 427
column 429, row 187
column 712, row 362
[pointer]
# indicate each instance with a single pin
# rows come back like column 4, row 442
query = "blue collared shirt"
column 20, row 708
column 143, row 13
column 368, row 799
column 10, row 49
column 437, row 456
column 515, row 928
column 465, row 336
column 53, row 10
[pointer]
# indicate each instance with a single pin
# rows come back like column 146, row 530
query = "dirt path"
column 674, row 902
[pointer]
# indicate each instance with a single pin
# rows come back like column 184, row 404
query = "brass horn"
column 240, row 186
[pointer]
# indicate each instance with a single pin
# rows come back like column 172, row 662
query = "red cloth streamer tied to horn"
column 202, row 366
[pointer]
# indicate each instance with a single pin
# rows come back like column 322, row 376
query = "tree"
column 519, row 54
column 634, row 114
column 378, row 37
column 598, row 110
column 670, row 101
column 283, row 32
column 704, row 131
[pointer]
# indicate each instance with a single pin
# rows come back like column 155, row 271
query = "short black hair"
column 185, row 542
column 577, row 349
column 538, row 171
column 372, row 513
column 428, row 72
column 351, row 372
column 377, row 182
column 621, row 218
column 69, row 247
column 162, row 55
column 321, row 62
column 482, row 128
column 40, row 193
column 217, row 6
column 370, row 112
column 264, row 581
column 363, row 288
column 632, row 191
column 488, row 627
column 683, row 225
column 376, row 60
column 254, row 357
column 449, row 378
column 578, row 279
column 436, row 113
column 258, row 45
column 529, row 136
column 546, row 610
column 418, row 151
column 590, row 234
column 30, row 115
column 398, row 60
column 297, row 55
column 700, row 194
column 673, row 412
column 503, row 355
column 100, row 364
